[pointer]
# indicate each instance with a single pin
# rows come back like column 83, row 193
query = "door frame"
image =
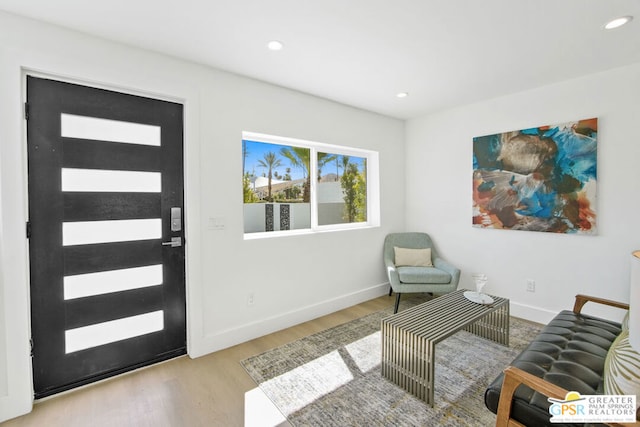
column 187, row 218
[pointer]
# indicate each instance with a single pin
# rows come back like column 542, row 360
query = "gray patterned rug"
column 332, row 378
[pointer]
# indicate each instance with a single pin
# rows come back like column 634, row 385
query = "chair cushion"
column 412, row 257
column 429, row 275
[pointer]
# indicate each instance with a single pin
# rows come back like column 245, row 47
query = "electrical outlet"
column 251, row 298
column 531, row 285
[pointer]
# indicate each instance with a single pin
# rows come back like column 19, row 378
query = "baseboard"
column 529, row 312
column 260, row 327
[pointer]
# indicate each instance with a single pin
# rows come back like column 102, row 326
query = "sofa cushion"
column 622, row 368
column 430, row 275
column 625, row 322
column 569, row 352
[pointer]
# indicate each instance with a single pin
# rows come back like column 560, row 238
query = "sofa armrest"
column 581, row 300
column 513, row 377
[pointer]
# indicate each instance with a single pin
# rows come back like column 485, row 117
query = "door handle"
column 174, row 243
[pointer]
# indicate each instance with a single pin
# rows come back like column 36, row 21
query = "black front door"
column 106, row 232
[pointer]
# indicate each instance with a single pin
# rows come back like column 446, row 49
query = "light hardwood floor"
column 207, row 391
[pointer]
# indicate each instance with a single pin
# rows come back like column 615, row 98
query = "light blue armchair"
column 442, row 278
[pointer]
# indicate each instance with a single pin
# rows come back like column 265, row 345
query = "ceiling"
column 444, row 53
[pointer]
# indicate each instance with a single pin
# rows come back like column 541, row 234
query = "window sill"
column 308, row 231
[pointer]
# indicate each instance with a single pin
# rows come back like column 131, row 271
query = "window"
column 290, row 185
column 341, row 188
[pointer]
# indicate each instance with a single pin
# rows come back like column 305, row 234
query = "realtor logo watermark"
column 593, row 408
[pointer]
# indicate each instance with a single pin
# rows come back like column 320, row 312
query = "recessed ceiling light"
column 275, row 45
column 402, row 94
column 618, row 22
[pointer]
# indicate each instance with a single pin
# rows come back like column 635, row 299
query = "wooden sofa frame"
column 513, row 376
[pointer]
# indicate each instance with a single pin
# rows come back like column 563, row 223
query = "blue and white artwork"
column 537, row 179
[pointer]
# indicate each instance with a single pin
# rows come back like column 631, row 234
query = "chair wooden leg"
column 395, row 310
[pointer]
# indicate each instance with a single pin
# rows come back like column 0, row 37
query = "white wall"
column 294, row 278
column 439, row 199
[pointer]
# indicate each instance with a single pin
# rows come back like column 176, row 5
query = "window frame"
column 372, row 180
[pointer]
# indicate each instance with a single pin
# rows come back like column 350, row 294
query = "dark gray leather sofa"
column 569, row 352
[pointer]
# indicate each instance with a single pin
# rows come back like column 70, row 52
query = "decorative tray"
column 474, row 296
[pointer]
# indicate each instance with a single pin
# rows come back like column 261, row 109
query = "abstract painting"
column 537, row 179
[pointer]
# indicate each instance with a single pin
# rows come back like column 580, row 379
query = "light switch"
column 216, row 223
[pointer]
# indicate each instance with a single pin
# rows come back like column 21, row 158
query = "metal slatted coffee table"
column 409, row 337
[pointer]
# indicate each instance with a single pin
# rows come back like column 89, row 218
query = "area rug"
column 332, row 378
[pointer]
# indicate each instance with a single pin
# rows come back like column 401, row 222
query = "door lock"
column 174, row 243
column 176, row 219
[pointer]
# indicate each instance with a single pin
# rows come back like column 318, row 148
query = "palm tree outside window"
column 278, row 171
